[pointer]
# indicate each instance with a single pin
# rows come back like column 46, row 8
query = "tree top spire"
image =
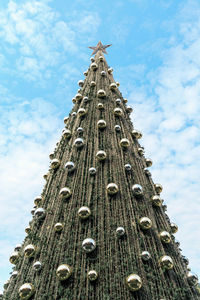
column 99, row 47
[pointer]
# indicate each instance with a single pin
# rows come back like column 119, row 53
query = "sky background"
column 156, row 59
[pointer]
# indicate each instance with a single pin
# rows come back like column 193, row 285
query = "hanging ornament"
column 92, row 59
column 28, row 229
column 78, row 97
column 84, row 212
column 85, row 99
column 81, row 83
column 117, row 83
column 145, row 223
column 141, row 151
column 29, row 250
column 38, row 200
column 192, row 278
column 81, row 112
column 66, row 120
column 134, row 282
column 80, row 130
column 58, row 227
column 101, row 124
column 74, row 100
column 158, row 188
column 100, row 106
column 55, row 163
column 125, row 100
column 46, row 176
column 18, row 247
column 101, row 93
column 113, row 86
column 92, row 275
column 65, row 193
column 66, row 133
column 40, row 213
column 110, row 70
column 124, row 143
column 89, row 245
column 70, row 166
column 145, row 255
column 74, row 114
column 136, row 134
column 64, row 272
column 92, row 83
column 112, row 188
column 185, row 260
column 117, row 128
column 129, row 109
column 26, row 291
column 85, row 73
column 37, row 266
column 101, row 58
column 51, row 155
column 103, row 73
column 120, row 231
column 149, row 162
column 137, row 190
column 147, row 172
column 14, row 258
column 118, row 112
column 94, row 66
column 165, row 237
column 79, row 143
column 92, row 171
column 118, row 101
column 156, row 200
column 101, row 155
column 127, row 167
column 166, row 262
column 174, row 228
column 14, row 275
column 33, row 210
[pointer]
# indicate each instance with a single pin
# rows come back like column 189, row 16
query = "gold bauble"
column 74, row 100
column 100, row 106
column 174, row 228
column 149, row 162
column 129, row 109
column 65, row 193
column 85, row 73
column 137, row 190
column 51, row 155
column 38, row 200
column 66, row 120
column 101, row 58
column 103, row 73
column 78, row 143
column 117, row 83
column 101, row 124
column 101, row 93
column 92, row 83
column 110, row 70
column 166, row 262
column 58, row 227
column 55, row 163
column 29, row 250
column 140, row 151
column 88, row 245
column 158, row 188
column 118, row 112
column 14, row 258
column 78, row 96
column 81, row 112
column 145, row 223
column 92, row 59
column 165, row 237
column 92, row 275
column 67, row 133
column 64, row 272
column 81, row 83
column 136, row 134
column 94, row 66
column 28, row 229
column 113, row 86
column 84, row 212
column 112, row 188
column 26, row 291
column 101, row 155
column 134, row 282
column 124, row 143
column 125, row 100
column 156, row 200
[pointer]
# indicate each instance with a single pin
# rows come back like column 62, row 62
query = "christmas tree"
column 100, row 229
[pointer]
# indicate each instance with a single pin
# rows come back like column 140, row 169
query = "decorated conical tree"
column 100, row 229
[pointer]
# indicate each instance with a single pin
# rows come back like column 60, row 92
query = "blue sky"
column 155, row 56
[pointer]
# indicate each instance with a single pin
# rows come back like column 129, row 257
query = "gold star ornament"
column 99, row 47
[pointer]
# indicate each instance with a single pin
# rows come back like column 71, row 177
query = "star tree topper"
column 99, row 47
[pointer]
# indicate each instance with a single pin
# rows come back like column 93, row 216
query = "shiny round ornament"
column 124, row 143
column 165, row 237
column 156, row 200
column 55, row 163
column 125, row 100
column 192, row 278
column 137, row 190
column 81, row 83
column 145, row 223
column 66, row 120
column 174, row 228
column 118, row 112
column 127, row 167
column 80, row 130
column 18, row 247
column 103, row 73
column 89, row 245
column 14, row 275
column 29, row 250
column 51, row 155
column 14, row 257
column 73, row 114
column 37, row 266
column 145, row 255
column 149, row 162
column 84, row 212
column 129, row 109
column 85, row 99
column 92, row 171
column 46, row 176
column 101, row 124
column 112, row 188
column 110, row 70
column 33, row 210
column 134, row 282
column 66, row 133
column 85, row 73
column 78, row 143
column 38, row 200
column 117, row 128
column 158, row 188
column 113, row 86
column 118, row 101
column 78, row 97
column 166, row 262
column 100, row 106
column 58, row 227
column 92, row 83
column 101, row 58
column 147, row 172
column 185, row 260
column 63, row 272
column 81, row 112
column 101, row 155
column 141, row 151
column 40, row 213
column 94, row 66
column 28, row 229
column 92, row 275
column 70, row 166
column 136, row 134
column 74, row 100
column 101, row 93
column 117, row 83
column 26, row 291
column 120, row 231
column 65, row 193
column 92, row 59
